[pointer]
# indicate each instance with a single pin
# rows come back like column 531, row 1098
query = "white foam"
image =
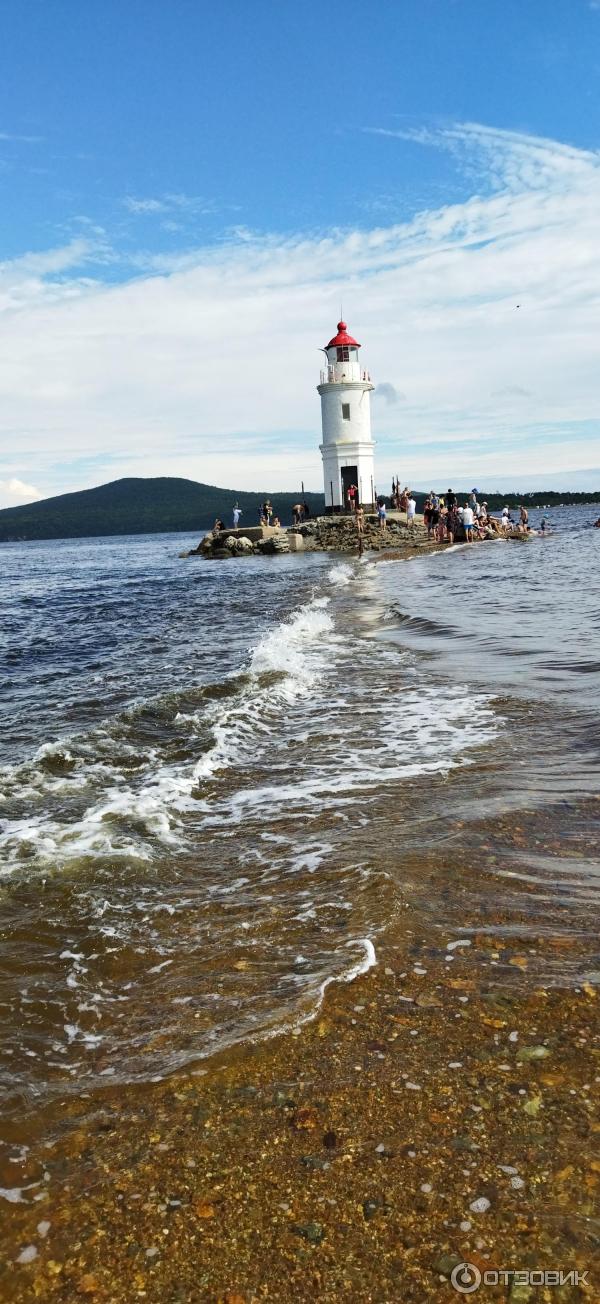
column 291, row 652
column 285, row 664
column 341, row 574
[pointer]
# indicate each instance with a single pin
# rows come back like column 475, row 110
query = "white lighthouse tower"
column 347, row 447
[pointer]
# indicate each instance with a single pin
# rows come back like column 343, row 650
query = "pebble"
column 412, row 1086
column 311, row 1232
column 315, row 1162
column 152, row 1252
column 462, row 1143
column 480, row 1205
column 517, row 1183
column 43, row 1228
column 27, row 1255
column 445, row 1264
column 370, row 1208
column 426, row 1187
column 455, row 1064
column 527, row 1053
column 465, row 1225
column 461, row 941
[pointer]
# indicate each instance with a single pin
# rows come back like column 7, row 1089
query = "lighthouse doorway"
column 350, row 488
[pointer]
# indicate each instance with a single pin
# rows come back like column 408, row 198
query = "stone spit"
column 321, row 534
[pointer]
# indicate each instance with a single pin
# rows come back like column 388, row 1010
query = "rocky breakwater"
column 321, row 534
column 222, row 544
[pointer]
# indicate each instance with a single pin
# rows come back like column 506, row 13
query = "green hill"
column 141, row 506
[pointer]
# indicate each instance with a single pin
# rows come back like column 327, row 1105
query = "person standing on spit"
column 382, row 514
column 237, row 512
column 411, row 508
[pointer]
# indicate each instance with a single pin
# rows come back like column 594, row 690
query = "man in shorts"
column 467, row 518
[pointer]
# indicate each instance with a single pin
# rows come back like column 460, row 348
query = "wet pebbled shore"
column 441, row 1107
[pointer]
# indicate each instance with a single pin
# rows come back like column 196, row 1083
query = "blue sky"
column 189, row 190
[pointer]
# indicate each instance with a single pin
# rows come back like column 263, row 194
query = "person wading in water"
column 360, row 529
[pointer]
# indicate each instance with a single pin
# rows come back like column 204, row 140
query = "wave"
column 284, row 664
column 302, row 680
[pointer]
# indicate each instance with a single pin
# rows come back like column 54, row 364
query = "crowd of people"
column 447, row 520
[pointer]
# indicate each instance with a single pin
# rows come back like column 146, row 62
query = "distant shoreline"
column 171, row 505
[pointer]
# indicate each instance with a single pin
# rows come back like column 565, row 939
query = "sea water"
column 219, row 781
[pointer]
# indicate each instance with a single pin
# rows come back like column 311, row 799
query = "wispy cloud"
column 389, row 394
column 50, row 275
column 24, row 140
column 205, row 362
column 511, row 391
column 144, row 205
column 169, row 203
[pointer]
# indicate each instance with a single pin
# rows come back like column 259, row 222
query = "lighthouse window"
column 345, row 411
column 343, row 353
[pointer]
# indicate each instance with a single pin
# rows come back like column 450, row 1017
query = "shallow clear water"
column 221, row 782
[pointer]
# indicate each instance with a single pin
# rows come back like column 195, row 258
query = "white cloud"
column 206, row 364
column 14, row 492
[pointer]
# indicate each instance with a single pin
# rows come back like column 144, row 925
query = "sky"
column 190, row 193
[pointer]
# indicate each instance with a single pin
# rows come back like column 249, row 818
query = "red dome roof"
column 342, row 337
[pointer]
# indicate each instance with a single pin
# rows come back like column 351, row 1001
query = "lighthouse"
column 347, row 449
